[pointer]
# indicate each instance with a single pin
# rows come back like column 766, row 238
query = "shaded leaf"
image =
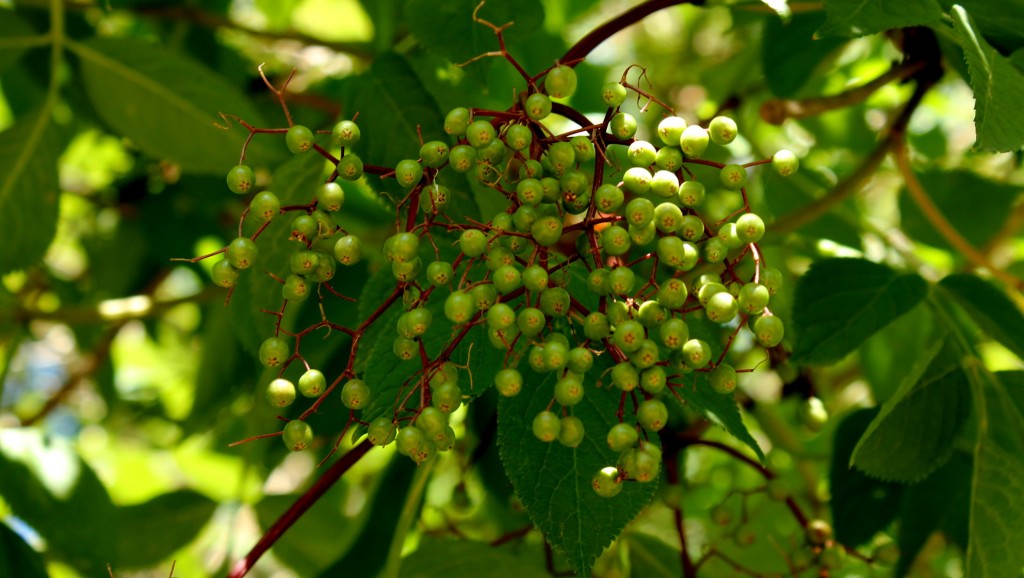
column 165, row 103
column 975, row 206
column 445, row 558
column 998, row 89
column 861, row 506
column 463, row 38
column 29, row 190
column 996, row 523
column 554, row 481
column 884, row 355
column 990, row 308
column 720, row 409
column 152, row 531
column 852, row 18
column 841, row 302
column 915, row 431
column 652, row 558
column 18, row 558
column 1002, row 23
column 16, row 36
column 939, row 503
column 47, row 485
column 790, row 53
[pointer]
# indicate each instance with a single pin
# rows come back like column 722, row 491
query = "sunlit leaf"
column 860, row 17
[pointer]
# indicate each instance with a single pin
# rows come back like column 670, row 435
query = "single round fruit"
column 297, row 435
column 670, row 130
column 622, row 125
column 723, row 378
column 733, row 177
column 769, row 330
column 546, row 231
column 355, row 394
column 345, row 133
column 785, row 162
column 457, row 121
column 568, row 391
column 546, row 426
column 299, row 139
column 753, row 298
column 694, row 141
column 473, row 242
column 560, row 82
column 691, row 193
column 613, row 94
column 749, row 228
column 538, row 106
column 531, row 321
column 722, row 307
column 312, row 383
column 570, row 432
column 615, row 240
column 224, row 274
column 280, row 393
column 722, row 130
column 408, row 173
column 296, row 288
column 348, row 250
column 607, row 482
column 350, row 167
column 274, row 351
column 381, row 431
column 265, row 206
column 459, row 307
column 696, row 353
column 813, row 414
column 818, row 532
column 304, row 262
column 625, row 376
column 480, row 133
column 652, row 414
column 508, row 382
column 241, row 179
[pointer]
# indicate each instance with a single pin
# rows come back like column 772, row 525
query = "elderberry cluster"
column 627, row 214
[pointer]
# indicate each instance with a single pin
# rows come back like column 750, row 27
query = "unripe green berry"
column 546, row 426
column 241, row 179
column 299, row 139
column 224, row 274
column 694, row 141
column 355, row 394
column 785, row 162
column 538, row 106
column 280, row 393
column 560, row 81
column 722, row 130
column 312, row 383
column 274, row 351
column 297, row 435
column 613, row 94
column 345, row 133
column 723, row 378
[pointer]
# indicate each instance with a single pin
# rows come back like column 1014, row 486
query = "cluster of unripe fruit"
column 511, row 273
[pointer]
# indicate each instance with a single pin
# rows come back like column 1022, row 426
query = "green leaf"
column 56, row 493
column 16, row 36
column 652, row 558
column 320, row 536
column 18, row 558
column 790, row 53
column 1014, row 383
column 447, row 26
column 975, row 206
column 914, row 433
column 939, row 503
column 1002, row 23
column 861, row 506
column 554, row 481
column 165, row 103
column 884, row 355
column 720, row 409
column 841, row 302
column 997, row 512
column 990, row 308
column 446, row 558
column 29, row 190
column 853, row 18
column 153, row 531
column 998, row 89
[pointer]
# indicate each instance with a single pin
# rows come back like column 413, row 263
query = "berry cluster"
column 626, row 213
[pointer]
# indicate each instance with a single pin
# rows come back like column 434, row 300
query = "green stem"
column 409, row 511
column 34, row 41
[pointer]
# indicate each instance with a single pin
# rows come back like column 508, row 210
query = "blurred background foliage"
column 124, row 377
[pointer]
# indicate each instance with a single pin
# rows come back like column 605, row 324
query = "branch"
column 588, row 43
column 292, row 515
column 121, row 309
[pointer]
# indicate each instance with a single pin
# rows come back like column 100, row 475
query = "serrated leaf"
column 52, row 490
column 554, row 481
column 29, row 190
column 790, row 53
column 841, row 302
column 1002, row 23
column 16, row 36
column 152, row 531
column 900, row 444
column 939, row 503
column 861, row 506
column 975, row 206
column 990, row 308
column 463, row 38
column 445, row 558
column 165, row 103
column 652, row 558
column 996, row 523
column 998, row 89
column 853, row 18
column 18, row 558
column 720, row 409
column 884, row 355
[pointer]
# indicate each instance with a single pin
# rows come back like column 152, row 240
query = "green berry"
column 265, row 206
column 462, row 158
column 355, row 394
column 480, row 134
column 535, row 278
column 296, row 288
column 456, row 122
column 555, row 302
column 769, row 330
column 350, row 167
column 531, row 321
column 607, row 482
column 722, row 130
column 484, row 296
column 241, row 179
column 653, row 380
column 345, row 133
column 625, row 376
column 473, row 242
column 584, row 148
column 615, row 240
column 749, row 228
column 330, row 197
column 299, row 139
column 303, row 229
column 608, row 198
column 694, row 141
column 381, row 431
column 224, row 274
column 518, row 137
column 297, row 435
column 348, row 250
column 621, row 281
column 669, row 159
column 280, row 393
column 546, row 231
column 813, row 414
column 568, row 391
column 691, row 228
column 459, row 307
column 691, row 193
column 818, row 532
column 652, row 414
column 722, row 307
column 570, row 431
column 434, row 153
column 304, row 262
column 596, row 326
column 546, row 426
column 785, row 162
column 622, row 436
column 538, row 106
column 274, row 351
column 641, row 153
column 508, row 382
column 622, row 125
column 628, row 336
column 672, row 294
column 440, row 273
column 696, row 353
column 753, row 298
column 560, row 82
column 670, row 130
column 408, row 173
column 723, row 378
column 312, row 383
column 613, row 94
column 733, row 177
column 501, row 316
column 507, row 278
column 637, row 180
column 673, row 333
column 664, row 184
